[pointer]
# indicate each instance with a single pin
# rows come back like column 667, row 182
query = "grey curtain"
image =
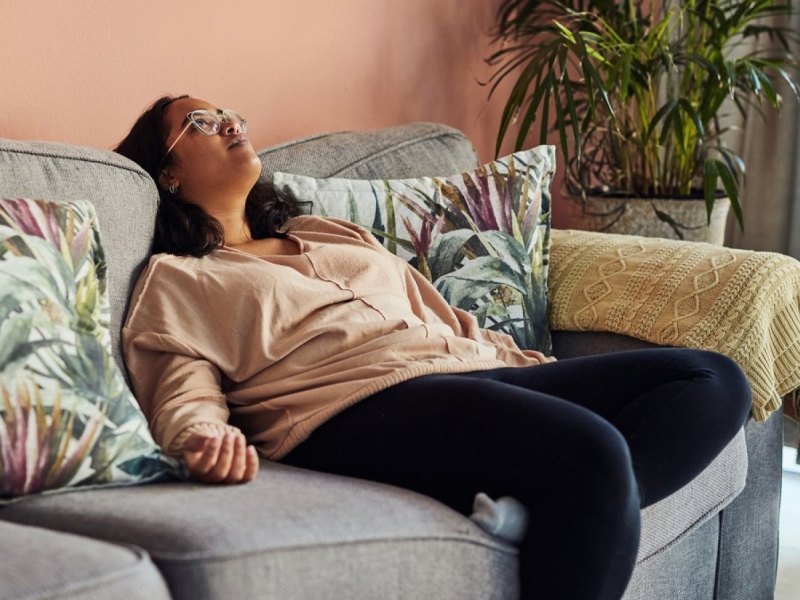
column 771, row 195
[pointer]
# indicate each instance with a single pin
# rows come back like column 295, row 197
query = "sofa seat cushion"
column 41, row 564
column 667, row 522
column 290, row 534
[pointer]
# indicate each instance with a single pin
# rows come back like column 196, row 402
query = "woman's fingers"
column 246, row 463
column 227, row 452
column 238, row 462
column 252, row 464
column 223, row 459
column 538, row 356
column 201, row 454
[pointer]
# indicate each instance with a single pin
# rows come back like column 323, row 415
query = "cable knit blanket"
column 741, row 303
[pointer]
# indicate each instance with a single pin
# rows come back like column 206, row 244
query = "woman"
column 303, row 336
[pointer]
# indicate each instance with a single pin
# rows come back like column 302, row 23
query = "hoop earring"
column 172, row 188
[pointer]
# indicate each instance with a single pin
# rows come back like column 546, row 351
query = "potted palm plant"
column 641, row 93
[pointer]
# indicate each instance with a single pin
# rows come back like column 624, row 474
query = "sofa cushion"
column 682, row 570
column 291, row 533
column 40, row 564
column 667, row 522
column 410, row 150
column 482, row 236
column 123, row 195
column 67, row 417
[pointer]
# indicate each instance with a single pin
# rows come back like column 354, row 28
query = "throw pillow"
column 67, row 417
column 481, row 237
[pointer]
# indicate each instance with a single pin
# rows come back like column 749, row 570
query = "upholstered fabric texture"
column 482, row 237
column 123, row 195
column 404, row 151
column 39, row 564
column 682, row 570
column 301, row 534
column 67, row 417
column 296, row 534
column 748, row 538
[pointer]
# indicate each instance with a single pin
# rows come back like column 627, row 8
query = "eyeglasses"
column 209, row 122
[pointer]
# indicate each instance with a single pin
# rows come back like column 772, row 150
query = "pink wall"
column 81, row 71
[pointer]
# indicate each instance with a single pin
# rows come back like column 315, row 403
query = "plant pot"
column 681, row 219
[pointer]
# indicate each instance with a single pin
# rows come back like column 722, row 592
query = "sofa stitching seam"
column 694, row 525
column 197, row 557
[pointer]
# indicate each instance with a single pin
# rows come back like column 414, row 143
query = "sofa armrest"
column 741, row 303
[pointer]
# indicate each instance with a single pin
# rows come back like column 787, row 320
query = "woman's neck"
column 235, row 229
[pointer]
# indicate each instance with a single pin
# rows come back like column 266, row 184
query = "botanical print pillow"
column 67, row 417
column 481, row 237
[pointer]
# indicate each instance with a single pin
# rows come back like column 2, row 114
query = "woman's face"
column 207, row 168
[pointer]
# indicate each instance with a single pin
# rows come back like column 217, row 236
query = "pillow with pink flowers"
column 481, row 237
column 67, row 417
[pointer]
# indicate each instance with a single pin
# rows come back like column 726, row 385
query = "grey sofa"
column 295, row 534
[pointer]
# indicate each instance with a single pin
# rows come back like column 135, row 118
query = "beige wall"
column 80, row 71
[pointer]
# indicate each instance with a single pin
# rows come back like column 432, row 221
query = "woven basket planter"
column 682, row 219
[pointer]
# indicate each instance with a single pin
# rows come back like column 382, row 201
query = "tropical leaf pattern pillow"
column 67, row 417
column 481, row 237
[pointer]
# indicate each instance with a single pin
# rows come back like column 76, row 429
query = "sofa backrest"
column 412, row 150
column 126, row 198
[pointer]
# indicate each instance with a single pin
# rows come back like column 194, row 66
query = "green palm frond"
column 635, row 90
column 490, row 284
column 39, row 446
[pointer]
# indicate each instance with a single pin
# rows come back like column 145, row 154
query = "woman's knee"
column 605, row 472
column 707, row 363
column 726, row 392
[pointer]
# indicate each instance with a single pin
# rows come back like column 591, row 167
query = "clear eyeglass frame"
column 209, row 122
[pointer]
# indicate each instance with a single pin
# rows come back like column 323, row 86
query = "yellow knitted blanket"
column 741, row 303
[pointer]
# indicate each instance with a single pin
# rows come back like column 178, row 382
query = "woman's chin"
column 244, row 156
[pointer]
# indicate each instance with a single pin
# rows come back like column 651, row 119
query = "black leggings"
column 583, row 443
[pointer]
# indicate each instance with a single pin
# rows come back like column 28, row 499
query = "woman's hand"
column 535, row 354
column 225, row 458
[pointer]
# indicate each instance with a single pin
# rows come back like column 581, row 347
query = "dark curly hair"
column 183, row 228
